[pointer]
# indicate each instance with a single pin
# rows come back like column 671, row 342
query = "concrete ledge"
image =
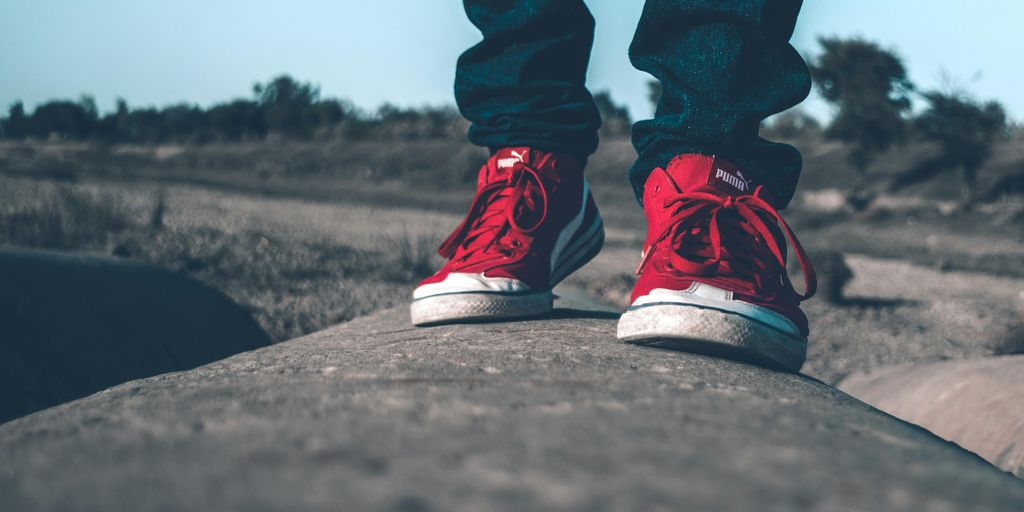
column 977, row 404
column 72, row 325
column 535, row 415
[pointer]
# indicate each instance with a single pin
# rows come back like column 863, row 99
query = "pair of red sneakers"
column 712, row 276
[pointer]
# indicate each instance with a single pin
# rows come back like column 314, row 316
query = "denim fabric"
column 724, row 66
column 523, row 85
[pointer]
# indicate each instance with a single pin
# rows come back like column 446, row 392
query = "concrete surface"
column 545, row 414
column 978, row 404
column 72, row 325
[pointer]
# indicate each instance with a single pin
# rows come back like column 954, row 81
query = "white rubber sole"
column 693, row 328
column 475, row 306
column 479, row 306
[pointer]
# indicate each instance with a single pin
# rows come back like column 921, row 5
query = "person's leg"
column 523, row 85
column 724, row 65
column 533, row 221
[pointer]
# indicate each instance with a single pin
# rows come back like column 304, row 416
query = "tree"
column 146, row 126
column 183, row 123
column 114, row 127
column 615, row 118
column 965, row 129
column 284, row 90
column 869, row 88
column 236, row 121
column 411, row 123
column 654, row 93
column 15, row 126
column 122, row 121
column 791, row 124
column 332, row 111
column 65, row 119
column 287, row 105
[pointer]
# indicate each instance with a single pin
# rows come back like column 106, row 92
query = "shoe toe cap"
column 707, row 296
column 462, row 282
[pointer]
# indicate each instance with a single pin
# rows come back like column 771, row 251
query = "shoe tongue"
column 702, row 173
column 501, row 163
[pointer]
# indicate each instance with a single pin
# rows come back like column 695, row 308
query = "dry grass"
column 63, row 219
column 292, row 286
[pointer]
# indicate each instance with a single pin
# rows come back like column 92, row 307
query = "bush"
column 965, row 129
column 833, row 275
column 792, row 124
column 67, row 219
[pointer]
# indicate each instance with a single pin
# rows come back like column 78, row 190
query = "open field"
column 307, row 235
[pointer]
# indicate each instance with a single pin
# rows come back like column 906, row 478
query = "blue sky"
column 158, row 52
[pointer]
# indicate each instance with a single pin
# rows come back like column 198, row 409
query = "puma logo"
column 737, row 180
column 504, row 163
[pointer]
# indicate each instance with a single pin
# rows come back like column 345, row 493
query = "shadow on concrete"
column 875, row 302
column 559, row 313
column 704, row 348
column 72, row 325
column 570, row 313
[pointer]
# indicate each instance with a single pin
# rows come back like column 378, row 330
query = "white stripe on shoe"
column 580, row 251
column 569, row 231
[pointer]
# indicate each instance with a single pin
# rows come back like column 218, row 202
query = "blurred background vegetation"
column 866, row 84
column 310, row 210
column 282, row 107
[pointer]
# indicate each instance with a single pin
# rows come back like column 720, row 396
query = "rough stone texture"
column 545, row 414
column 72, row 325
column 977, row 404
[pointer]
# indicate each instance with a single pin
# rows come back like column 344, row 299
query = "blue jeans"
column 724, row 65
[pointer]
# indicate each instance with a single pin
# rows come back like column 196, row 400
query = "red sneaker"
column 532, row 223
column 713, row 271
